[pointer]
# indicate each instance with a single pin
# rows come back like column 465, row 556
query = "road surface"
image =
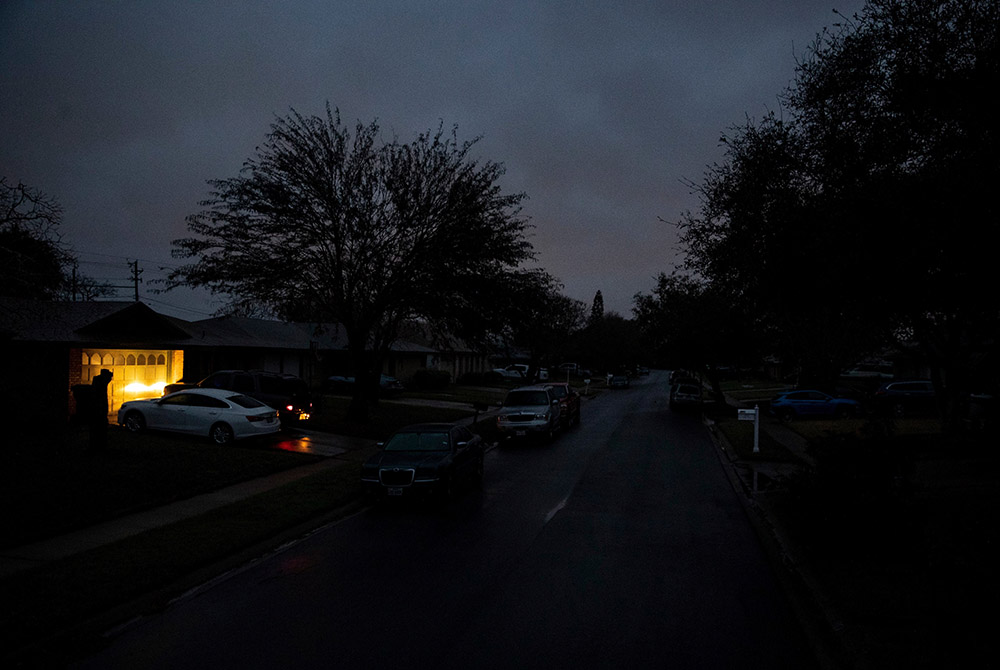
column 621, row 544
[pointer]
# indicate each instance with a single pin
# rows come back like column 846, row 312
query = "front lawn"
column 50, row 483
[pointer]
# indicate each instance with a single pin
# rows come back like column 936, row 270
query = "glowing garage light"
column 136, row 387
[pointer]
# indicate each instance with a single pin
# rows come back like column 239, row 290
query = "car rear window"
column 417, row 442
column 526, row 398
column 559, row 391
column 245, row 401
column 689, row 390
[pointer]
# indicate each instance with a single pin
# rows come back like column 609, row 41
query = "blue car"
column 800, row 404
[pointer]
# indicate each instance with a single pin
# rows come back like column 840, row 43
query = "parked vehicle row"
column 898, row 399
column 433, row 459
column 286, row 393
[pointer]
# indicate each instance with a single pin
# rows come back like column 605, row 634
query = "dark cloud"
column 122, row 111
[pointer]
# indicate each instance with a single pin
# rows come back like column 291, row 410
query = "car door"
column 821, row 404
column 171, row 413
column 464, row 452
column 203, row 412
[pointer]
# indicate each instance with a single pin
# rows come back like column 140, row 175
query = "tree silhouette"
column 347, row 228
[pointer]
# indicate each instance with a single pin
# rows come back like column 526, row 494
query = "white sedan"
column 222, row 415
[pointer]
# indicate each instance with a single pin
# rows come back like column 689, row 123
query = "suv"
column 906, row 398
column 684, row 395
column 530, row 411
column 569, row 401
column 286, row 393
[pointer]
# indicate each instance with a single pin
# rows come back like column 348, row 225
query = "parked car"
column 516, row 371
column 530, row 411
column 618, row 381
column 286, row 393
column 808, row 403
column 685, row 396
column 869, row 371
column 388, row 386
column 569, row 401
column 222, row 416
column 906, row 398
column 427, row 458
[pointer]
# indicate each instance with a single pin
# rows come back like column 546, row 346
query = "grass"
column 900, row 532
column 51, row 483
column 739, row 434
column 56, row 595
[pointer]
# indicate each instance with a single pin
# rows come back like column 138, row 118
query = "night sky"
column 600, row 111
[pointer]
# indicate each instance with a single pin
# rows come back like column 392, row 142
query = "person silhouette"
column 99, row 411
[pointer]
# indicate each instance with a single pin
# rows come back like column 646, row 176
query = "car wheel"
column 843, row 413
column 134, row 422
column 221, row 433
column 786, row 415
column 898, row 410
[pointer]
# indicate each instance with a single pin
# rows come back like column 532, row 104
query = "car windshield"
column 526, row 398
column 245, row 401
column 418, row 442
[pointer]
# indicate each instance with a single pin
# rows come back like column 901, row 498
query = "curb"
column 817, row 617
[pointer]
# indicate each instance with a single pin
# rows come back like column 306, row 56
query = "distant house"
column 50, row 347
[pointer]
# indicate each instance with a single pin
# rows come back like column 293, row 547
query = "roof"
column 125, row 323
column 81, row 322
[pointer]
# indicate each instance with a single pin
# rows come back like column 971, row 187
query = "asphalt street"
column 620, row 544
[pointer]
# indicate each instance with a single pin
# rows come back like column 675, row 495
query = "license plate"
column 395, row 492
column 303, row 416
column 521, row 433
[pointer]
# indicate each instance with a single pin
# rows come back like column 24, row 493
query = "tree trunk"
column 358, row 409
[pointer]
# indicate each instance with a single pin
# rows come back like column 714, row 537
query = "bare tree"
column 332, row 226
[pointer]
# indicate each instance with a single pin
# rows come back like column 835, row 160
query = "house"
column 50, row 347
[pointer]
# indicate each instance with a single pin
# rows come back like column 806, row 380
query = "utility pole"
column 136, row 272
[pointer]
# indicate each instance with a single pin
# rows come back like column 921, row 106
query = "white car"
column 512, row 371
column 221, row 415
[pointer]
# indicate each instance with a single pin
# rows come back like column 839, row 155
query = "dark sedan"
column 428, row 458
